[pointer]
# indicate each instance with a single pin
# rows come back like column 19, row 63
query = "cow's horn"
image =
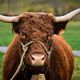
column 67, row 16
column 8, row 19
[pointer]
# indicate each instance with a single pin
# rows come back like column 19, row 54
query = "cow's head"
column 37, row 28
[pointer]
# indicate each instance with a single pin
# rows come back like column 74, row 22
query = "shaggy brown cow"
column 37, row 47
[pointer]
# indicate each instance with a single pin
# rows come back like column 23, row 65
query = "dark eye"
column 22, row 35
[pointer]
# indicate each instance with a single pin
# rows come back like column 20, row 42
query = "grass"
column 72, row 34
column 1, row 59
column 76, row 74
column 5, row 34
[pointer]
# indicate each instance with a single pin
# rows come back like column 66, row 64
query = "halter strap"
column 27, row 44
column 21, row 63
column 25, row 48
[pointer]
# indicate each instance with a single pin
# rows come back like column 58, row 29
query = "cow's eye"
column 22, row 35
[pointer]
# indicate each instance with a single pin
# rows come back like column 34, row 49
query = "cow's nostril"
column 32, row 58
column 43, row 58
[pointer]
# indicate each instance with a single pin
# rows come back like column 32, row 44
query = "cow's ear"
column 61, row 21
column 59, row 26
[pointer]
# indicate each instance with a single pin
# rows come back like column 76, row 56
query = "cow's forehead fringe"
column 37, row 15
column 41, row 18
column 38, row 20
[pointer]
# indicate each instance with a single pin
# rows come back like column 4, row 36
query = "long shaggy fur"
column 39, row 26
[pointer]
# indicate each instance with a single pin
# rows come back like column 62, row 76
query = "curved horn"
column 67, row 16
column 8, row 19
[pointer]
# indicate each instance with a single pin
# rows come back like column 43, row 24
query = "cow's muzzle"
column 37, row 59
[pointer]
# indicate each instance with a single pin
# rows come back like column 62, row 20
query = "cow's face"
column 35, row 27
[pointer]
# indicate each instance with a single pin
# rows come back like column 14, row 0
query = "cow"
column 37, row 47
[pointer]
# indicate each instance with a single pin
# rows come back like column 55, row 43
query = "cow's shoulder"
column 12, row 48
column 58, row 40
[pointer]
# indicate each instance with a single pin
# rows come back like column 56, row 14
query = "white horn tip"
column 67, row 16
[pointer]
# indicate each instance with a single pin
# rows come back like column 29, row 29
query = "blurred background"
column 56, row 7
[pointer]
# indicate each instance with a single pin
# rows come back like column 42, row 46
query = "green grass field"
column 1, row 59
column 5, row 34
column 72, row 34
column 76, row 74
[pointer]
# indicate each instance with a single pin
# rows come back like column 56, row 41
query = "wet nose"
column 38, row 59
